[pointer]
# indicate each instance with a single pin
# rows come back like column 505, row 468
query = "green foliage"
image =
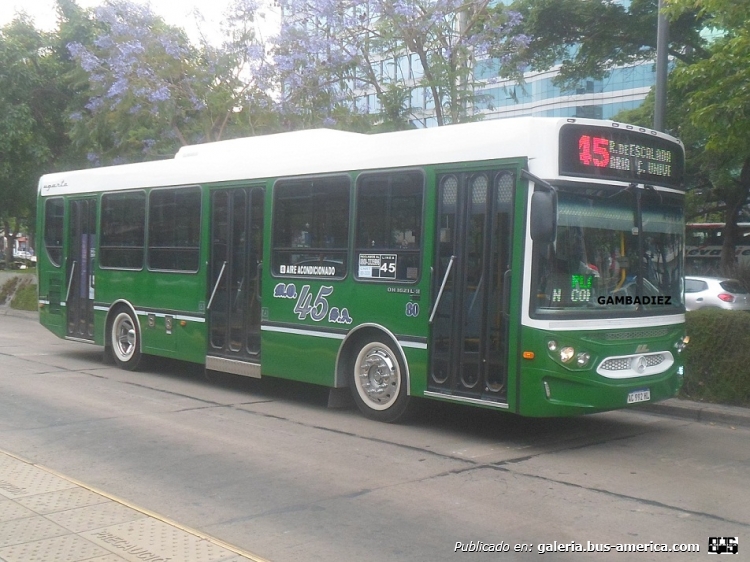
column 714, row 102
column 27, row 115
column 717, row 357
column 589, row 37
column 25, row 297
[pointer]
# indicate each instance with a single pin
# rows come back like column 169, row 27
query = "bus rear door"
column 80, row 268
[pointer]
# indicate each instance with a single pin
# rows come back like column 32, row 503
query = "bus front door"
column 234, row 306
column 473, row 251
column 79, row 299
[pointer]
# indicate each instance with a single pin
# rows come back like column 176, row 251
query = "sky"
column 174, row 12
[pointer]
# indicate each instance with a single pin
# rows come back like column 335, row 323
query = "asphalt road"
column 266, row 466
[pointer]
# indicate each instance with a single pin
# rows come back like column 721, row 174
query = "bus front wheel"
column 378, row 381
column 124, row 340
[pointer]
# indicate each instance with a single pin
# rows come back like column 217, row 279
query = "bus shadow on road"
column 456, row 419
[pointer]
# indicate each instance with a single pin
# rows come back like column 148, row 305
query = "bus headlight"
column 582, row 359
column 566, row 354
column 552, row 345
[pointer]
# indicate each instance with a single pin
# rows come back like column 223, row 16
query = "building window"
column 589, row 111
column 311, row 227
column 174, row 217
column 389, row 226
column 123, row 226
column 54, row 211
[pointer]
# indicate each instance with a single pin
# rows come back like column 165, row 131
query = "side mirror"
column 543, row 224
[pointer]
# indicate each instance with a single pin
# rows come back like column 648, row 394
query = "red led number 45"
column 593, row 151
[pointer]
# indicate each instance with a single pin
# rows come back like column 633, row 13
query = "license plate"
column 639, row 396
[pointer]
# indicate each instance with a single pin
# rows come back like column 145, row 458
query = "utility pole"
column 662, row 44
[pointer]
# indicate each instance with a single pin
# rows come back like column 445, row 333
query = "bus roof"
column 319, row 151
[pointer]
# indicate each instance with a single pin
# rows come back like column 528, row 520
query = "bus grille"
column 637, row 334
column 630, row 366
column 616, row 364
column 623, row 364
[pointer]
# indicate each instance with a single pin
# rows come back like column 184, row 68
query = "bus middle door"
column 234, row 306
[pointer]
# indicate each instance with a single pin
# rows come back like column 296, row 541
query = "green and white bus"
column 531, row 265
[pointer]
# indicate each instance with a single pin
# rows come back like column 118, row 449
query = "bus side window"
column 311, row 227
column 54, row 210
column 389, row 226
column 174, row 229
column 123, row 226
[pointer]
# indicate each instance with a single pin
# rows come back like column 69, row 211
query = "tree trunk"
column 9, row 239
column 728, row 263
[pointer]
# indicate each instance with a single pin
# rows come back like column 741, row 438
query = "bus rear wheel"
column 378, row 381
column 124, row 339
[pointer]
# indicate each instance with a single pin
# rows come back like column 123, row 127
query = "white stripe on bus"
column 330, row 335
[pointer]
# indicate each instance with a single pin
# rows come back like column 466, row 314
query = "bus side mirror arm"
column 543, row 217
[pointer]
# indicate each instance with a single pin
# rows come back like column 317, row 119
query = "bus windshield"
column 593, row 270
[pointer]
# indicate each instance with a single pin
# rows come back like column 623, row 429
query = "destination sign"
column 620, row 154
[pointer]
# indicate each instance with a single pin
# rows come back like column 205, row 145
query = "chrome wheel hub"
column 378, row 376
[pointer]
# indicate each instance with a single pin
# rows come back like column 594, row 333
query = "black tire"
column 377, row 378
column 125, row 340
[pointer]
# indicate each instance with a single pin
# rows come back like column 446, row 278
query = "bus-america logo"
column 317, row 309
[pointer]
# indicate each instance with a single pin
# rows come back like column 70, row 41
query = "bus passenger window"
column 311, row 227
column 123, row 225
column 174, row 219
column 389, row 226
column 54, row 210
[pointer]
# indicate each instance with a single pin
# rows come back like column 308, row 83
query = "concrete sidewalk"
column 46, row 516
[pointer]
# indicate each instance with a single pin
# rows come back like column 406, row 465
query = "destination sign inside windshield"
column 619, row 154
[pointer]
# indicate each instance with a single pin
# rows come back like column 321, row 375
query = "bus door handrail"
column 258, row 279
column 506, row 293
column 442, row 286
column 70, row 281
column 216, row 285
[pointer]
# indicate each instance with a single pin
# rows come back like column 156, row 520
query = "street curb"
column 699, row 411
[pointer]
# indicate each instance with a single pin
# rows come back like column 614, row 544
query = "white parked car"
column 715, row 292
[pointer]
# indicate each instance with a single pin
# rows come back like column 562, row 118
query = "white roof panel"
column 327, row 151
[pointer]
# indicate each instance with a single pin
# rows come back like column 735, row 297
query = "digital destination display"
column 581, row 291
column 620, row 154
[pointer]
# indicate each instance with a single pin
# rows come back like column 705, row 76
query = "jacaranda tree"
column 372, row 55
column 150, row 90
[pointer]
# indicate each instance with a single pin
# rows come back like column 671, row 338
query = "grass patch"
column 21, row 292
column 26, row 296
column 8, row 289
column 717, row 359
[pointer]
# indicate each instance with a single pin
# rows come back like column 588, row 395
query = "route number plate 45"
column 643, row 395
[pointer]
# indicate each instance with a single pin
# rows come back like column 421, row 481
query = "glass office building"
column 624, row 88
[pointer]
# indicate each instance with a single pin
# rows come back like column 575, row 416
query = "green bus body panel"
column 161, row 293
